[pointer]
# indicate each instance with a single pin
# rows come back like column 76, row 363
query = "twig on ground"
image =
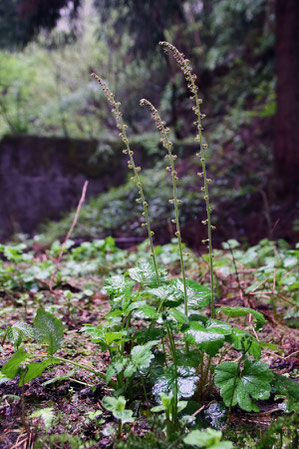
column 68, row 235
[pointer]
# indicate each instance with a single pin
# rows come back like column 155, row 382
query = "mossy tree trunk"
column 286, row 149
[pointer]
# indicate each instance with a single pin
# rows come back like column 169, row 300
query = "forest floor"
column 74, row 396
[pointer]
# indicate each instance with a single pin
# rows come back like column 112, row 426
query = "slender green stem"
column 79, row 365
column 175, row 388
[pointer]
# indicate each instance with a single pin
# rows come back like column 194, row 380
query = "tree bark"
column 286, row 147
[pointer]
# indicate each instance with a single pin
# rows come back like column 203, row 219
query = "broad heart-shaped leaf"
column 169, row 294
column 242, row 311
column 209, row 339
column 242, row 386
column 144, row 273
column 35, row 369
column 11, row 368
column 198, row 295
column 49, row 330
column 208, row 438
column 165, row 380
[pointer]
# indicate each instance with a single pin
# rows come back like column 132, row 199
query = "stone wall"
column 40, row 177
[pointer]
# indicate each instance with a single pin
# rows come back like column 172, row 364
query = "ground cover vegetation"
column 166, row 349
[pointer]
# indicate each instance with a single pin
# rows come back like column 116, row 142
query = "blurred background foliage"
column 47, row 57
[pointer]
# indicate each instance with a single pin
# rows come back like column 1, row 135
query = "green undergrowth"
column 138, row 362
column 116, row 213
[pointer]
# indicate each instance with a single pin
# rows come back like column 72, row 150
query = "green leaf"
column 186, row 381
column 18, row 331
column 111, row 337
column 198, row 295
column 25, row 328
column 49, row 330
column 142, row 355
column 14, row 335
column 4, row 379
column 148, row 311
column 179, row 316
column 118, row 285
column 35, row 369
column 125, row 416
column 11, row 368
column 208, row 438
column 219, row 327
column 169, row 294
column 117, row 407
column 241, row 340
column 242, row 311
column 209, row 340
column 242, row 386
column 145, row 274
column 167, row 404
column 114, row 404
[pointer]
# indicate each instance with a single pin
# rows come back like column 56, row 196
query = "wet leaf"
column 242, row 386
column 186, row 381
column 216, row 415
column 11, row 368
column 35, row 369
column 209, row 339
column 49, row 330
column 145, row 274
column 242, row 311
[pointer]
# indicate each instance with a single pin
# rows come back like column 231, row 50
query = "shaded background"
column 246, row 56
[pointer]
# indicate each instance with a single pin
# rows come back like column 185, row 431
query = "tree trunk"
column 286, row 148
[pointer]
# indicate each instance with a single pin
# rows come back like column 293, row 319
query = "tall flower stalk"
column 184, row 65
column 131, row 165
column 167, row 144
